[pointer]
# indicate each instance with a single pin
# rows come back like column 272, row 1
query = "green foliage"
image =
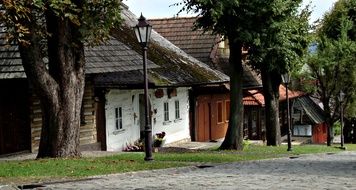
column 283, row 41
column 94, row 18
column 240, row 20
column 337, row 128
column 246, row 144
column 274, row 29
column 332, row 21
column 333, row 66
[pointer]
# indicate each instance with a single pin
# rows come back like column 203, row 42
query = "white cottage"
column 125, row 116
column 171, row 75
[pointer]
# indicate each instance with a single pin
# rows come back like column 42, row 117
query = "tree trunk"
column 234, row 134
column 271, row 82
column 329, row 120
column 60, row 87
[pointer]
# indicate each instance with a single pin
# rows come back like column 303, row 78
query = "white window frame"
column 177, row 109
column 166, row 111
column 302, row 130
column 118, row 118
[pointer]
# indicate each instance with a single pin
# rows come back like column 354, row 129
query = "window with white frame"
column 302, row 130
column 166, row 111
column 118, row 118
column 176, row 103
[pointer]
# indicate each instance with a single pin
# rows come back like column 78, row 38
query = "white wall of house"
column 176, row 129
column 128, row 101
column 124, row 129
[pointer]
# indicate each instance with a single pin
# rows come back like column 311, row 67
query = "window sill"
column 301, row 135
column 116, row 132
column 178, row 120
column 167, row 122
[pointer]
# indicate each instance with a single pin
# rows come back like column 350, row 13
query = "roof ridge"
column 173, row 18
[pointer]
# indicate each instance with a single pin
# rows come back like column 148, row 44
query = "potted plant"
column 159, row 139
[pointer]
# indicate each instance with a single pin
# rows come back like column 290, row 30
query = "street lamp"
column 143, row 33
column 286, row 81
column 341, row 99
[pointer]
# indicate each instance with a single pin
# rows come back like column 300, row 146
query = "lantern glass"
column 143, row 31
column 285, row 78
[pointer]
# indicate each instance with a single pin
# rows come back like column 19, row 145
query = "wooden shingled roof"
column 179, row 30
column 201, row 45
column 255, row 97
column 118, row 62
column 112, row 56
column 10, row 60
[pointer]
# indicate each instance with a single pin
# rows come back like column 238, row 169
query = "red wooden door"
column 203, row 118
column 320, row 133
column 219, row 116
column 212, row 117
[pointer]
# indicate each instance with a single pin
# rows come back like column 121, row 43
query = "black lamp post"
column 286, row 81
column 341, row 99
column 143, row 33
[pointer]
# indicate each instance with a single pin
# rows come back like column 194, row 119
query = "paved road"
column 321, row 171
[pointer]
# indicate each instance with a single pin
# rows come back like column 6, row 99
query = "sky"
column 162, row 9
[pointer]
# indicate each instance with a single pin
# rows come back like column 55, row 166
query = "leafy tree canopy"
column 94, row 18
column 332, row 65
column 332, row 21
column 283, row 41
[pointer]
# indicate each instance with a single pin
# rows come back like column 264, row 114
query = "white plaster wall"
column 176, row 130
column 129, row 101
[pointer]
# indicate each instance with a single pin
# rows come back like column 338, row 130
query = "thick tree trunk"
column 271, row 82
column 234, row 134
column 60, row 88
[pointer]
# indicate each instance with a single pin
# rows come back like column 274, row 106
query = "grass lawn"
column 37, row 171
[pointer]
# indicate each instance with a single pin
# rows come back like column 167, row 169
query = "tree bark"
column 234, row 134
column 329, row 120
column 60, row 87
column 271, row 81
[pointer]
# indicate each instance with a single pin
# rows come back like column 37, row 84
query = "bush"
column 337, row 128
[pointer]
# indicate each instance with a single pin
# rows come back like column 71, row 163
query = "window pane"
column 116, row 118
column 177, row 109
column 166, row 111
column 302, row 130
column 120, row 118
column 227, row 108
column 220, row 110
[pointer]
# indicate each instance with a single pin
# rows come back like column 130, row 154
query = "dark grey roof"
column 313, row 111
column 176, row 68
column 168, row 65
column 113, row 56
column 10, row 60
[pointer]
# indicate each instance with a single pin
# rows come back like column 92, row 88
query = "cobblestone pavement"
column 320, row 171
